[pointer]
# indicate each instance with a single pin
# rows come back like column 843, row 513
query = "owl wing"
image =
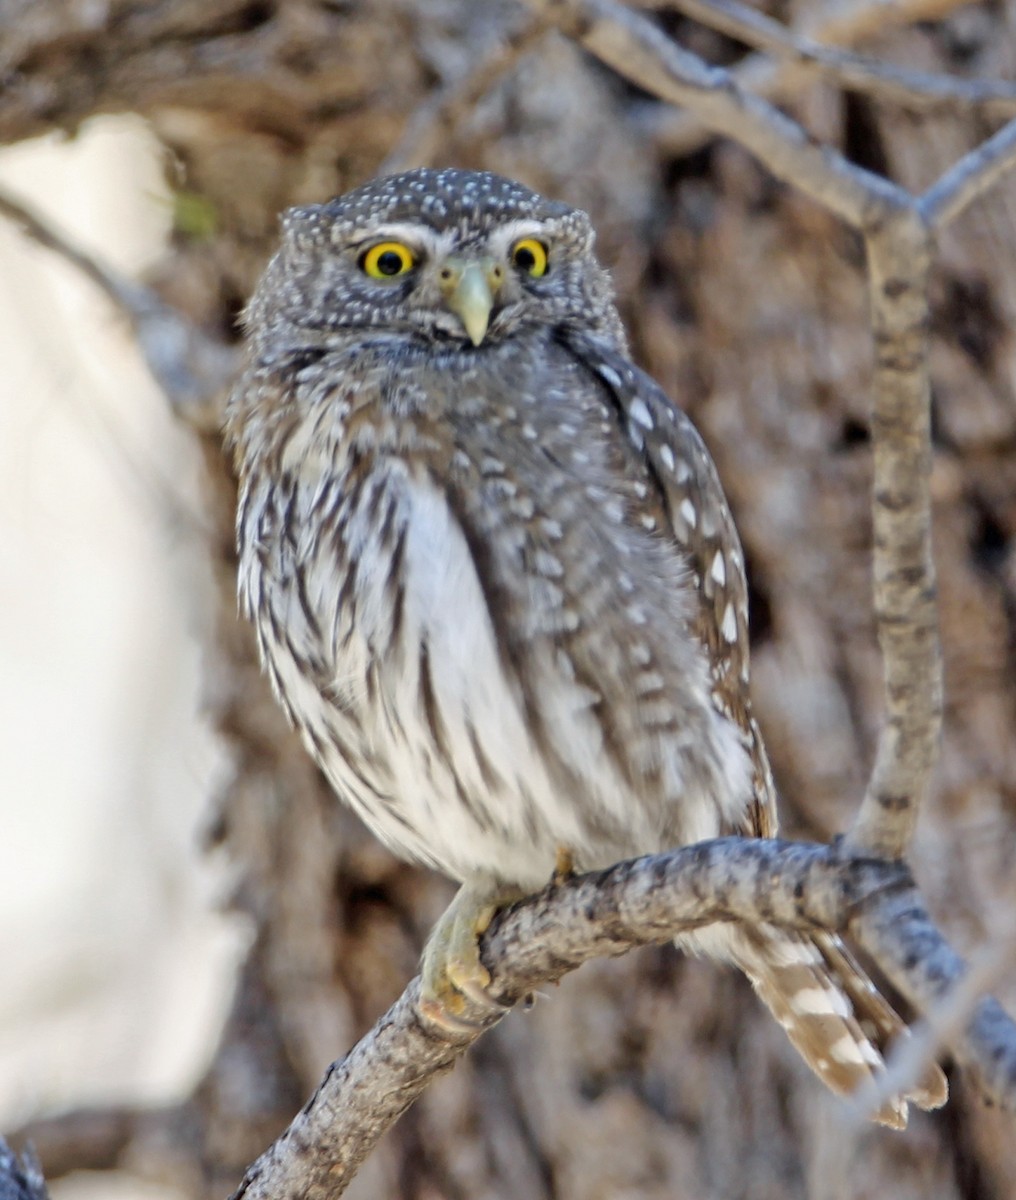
column 702, row 525
column 829, row 1008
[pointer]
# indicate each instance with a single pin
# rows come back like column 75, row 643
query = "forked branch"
column 828, row 25
column 910, row 88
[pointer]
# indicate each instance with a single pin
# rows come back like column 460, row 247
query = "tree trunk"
column 651, row 1077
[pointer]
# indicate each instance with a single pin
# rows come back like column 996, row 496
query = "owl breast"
column 469, row 603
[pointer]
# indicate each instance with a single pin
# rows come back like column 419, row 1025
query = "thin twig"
column 638, row 50
column 906, row 87
column 648, row 900
column 190, row 367
column 941, row 1026
column 962, row 184
column 424, row 133
column 833, row 24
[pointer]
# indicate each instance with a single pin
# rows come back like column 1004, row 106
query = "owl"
column 496, row 584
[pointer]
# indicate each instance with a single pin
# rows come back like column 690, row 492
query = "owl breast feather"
column 481, row 634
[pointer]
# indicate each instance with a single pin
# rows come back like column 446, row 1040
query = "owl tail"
column 834, row 1016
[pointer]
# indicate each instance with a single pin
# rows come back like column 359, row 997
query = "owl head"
column 455, row 258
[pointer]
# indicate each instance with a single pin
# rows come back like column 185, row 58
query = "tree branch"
column 191, row 368
column 607, row 913
column 899, row 258
column 912, row 89
column 963, row 183
column 640, row 51
column 677, row 133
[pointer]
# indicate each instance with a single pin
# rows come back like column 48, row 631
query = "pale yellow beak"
column 470, row 290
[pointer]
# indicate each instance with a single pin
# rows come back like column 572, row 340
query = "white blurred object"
column 116, row 968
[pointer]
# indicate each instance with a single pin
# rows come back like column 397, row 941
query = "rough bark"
column 650, row 1076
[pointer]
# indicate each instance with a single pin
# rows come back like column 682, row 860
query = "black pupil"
column 525, row 258
column 389, row 263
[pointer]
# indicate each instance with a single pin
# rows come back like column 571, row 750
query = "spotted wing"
column 702, row 524
column 828, row 1007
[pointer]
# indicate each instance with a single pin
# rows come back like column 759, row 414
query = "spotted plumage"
column 495, row 581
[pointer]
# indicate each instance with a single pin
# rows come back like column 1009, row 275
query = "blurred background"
column 191, row 928
column 118, row 962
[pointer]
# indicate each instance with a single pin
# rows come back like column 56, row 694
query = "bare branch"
column 841, row 24
column 961, row 185
column 942, row 1024
column 899, row 258
column 637, row 49
column 845, row 22
column 913, row 89
column 422, row 137
column 190, row 367
column 647, row 900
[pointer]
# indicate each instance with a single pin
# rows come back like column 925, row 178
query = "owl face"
column 447, row 257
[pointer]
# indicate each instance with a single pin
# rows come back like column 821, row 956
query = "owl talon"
column 564, row 865
column 436, row 1013
column 454, row 991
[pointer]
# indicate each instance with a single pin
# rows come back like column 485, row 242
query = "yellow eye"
column 530, row 256
column 386, row 260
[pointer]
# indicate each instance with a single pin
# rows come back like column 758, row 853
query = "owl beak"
column 470, row 290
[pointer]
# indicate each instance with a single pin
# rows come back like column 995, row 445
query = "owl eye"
column 530, row 256
column 386, row 260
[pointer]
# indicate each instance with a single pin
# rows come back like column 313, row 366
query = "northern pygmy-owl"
column 495, row 581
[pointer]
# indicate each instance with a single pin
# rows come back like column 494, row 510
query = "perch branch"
column 190, row 367
column 647, row 900
column 910, row 88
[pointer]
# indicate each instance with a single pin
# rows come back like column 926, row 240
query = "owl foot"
column 453, row 991
column 564, row 865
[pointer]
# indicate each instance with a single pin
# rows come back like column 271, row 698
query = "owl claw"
column 454, row 990
column 564, row 865
column 440, row 1010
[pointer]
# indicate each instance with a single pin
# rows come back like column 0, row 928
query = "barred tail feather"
column 877, row 1017
column 833, row 1014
